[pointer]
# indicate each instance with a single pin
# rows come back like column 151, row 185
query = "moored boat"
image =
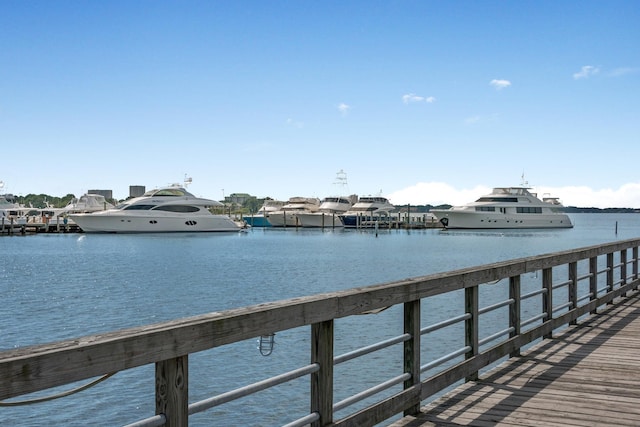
column 328, row 215
column 259, row 219
column 167, row 209
column 287, row 215
column 368, row 212
column 506, row 208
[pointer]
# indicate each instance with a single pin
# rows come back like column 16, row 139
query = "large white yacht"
column 506, row 207
column 167, row 209
column 368, row 212
column 328, row 214
column 287, row 215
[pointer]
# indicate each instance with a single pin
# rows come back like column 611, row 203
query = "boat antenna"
column 187, row 180
column 341, row 181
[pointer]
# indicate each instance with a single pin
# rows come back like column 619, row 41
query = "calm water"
column 66, row 286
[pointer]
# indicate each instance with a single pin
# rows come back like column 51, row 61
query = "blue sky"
column 421, row 101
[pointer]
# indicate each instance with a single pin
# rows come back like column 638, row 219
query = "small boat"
column 12, row 212
column 368, row 212
column 287, row 215
column 260, row 219
column 88, row 202
column 163, row 210
column 505, row 208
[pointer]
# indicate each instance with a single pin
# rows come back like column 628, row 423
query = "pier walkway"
column 585, row 375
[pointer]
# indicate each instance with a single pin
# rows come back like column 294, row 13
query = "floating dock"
column 9, row 227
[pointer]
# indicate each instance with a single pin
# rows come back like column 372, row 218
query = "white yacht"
column 368, row 212
column 11, row 212
column 506, row 207
column 168, row 209
column 287, row 215
column 328, row 214
column 88, row 202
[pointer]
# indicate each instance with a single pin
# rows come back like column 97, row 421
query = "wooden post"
column 322, row 380
column 635, row 263
column 547, row 297
column 610, row 275
column 471, row 302
column 172, row 391
column 412, row 349
column 573, row 288
column 623, row 268
column 593, row 281
column 514, row 310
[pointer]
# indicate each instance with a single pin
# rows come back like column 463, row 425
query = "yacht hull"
column 283, row 219
column 479, row 220
column 365, row 221
column 257, row 220
column 320, row 220
column 96, row 223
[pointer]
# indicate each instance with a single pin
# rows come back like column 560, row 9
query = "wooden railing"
column 561, row 289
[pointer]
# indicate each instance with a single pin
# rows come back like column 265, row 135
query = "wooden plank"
column 586, row 375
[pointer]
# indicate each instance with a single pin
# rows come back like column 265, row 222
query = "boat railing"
column 450, row 326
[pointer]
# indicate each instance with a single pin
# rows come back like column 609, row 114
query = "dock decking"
column 586, row 375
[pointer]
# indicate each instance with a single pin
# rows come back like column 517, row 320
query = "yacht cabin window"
column 529, row 210
column 138, row 207
column 178, row 208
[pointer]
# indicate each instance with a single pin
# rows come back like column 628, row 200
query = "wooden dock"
column 586, row 375
column 13, row 228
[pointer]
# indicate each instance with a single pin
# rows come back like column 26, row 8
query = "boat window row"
column 138, row 207
column 498, row 199
column 485, row 208
column 529, row 210
column 178, row 208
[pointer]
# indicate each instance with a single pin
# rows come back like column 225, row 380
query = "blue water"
column 69, row 285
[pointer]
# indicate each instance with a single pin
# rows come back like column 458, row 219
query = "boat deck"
column 585, row 375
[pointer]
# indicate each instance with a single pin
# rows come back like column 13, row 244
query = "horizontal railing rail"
column 551, row 290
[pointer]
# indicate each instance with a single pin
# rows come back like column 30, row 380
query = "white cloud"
column 344, row 108
column 627, row 196
column 412, row 97
column 623, row 71
column 472, row 120
column 296, row 124
column 499, row 84
column 586, row 72
column 438, row 193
